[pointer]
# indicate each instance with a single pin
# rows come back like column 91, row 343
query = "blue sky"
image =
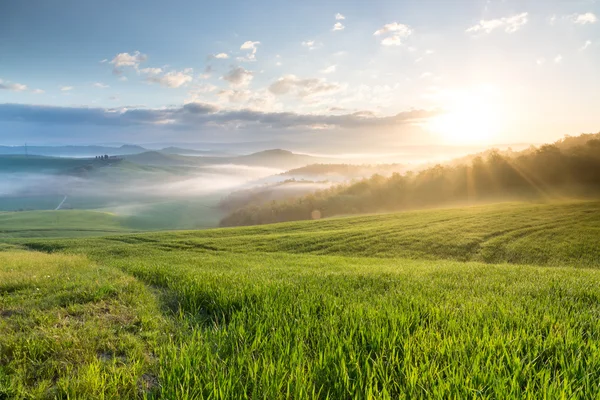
column 312, row 74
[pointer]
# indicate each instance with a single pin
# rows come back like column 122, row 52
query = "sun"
column 471, row 117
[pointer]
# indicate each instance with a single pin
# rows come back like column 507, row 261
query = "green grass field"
column 498, row 301
column 136, row 216
column 62, row 223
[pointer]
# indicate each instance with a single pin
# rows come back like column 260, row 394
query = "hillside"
column 499, row 300
column 71, row 151
column 281, row 159
column 551, row 172
column 70, row 223
column 517, row 232
column 346, row 171
column 10, row 164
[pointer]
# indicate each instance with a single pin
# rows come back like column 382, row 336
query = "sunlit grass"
column 72, row 329
column 63, row 223
column 429, row 304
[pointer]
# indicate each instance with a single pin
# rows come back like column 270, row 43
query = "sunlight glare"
column 472, row 117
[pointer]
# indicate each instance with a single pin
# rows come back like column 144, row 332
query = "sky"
column 320, row 76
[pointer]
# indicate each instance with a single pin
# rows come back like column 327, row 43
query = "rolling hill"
column 276, row 158
column 499, row 301
column 70, row 223
column 71, row 151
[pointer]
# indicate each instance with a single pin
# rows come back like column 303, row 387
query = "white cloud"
column 329, row 69
column 392, row 41
column 509, row 24
column 104, row 61
column 38, row 91
column 397, row 33
column 127, row 60
column 66, row 88
column 540, row 61
column 308, row 43
column 15, row 87
column 238, row 77
column 583, row 19
column 338, row 26
column 123, row 78
column 587, row 44
column 199, row 91
column 291, row 84
column 558, row 59
column 204, row 88
column 339, row 17
column 235, row 95
column 151, row 71
column 100, row 85
column 172, row 79
column 249, row 45
column 222, row 56
column 396, row 28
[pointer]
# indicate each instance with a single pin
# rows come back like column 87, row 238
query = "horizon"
column 345, row 78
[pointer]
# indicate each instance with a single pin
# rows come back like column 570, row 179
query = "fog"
column 25, row 184
column 125, row 193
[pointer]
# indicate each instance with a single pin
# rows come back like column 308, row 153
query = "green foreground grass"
column 67, row 223
column 487, row 302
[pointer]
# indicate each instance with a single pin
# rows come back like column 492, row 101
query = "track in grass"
column 385, row 306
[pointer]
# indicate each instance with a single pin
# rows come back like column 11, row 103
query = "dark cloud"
column 194, row 115
column 199, row 108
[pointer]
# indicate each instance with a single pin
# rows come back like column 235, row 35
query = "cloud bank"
column 195, row 115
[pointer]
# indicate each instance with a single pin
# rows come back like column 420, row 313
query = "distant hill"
column 275, row 158
column 182, row 151
column 278, row 158
column 158, row 158
column 71, row 151
column 569, row 167
column 347, row 171
column 256, row 196
column 39, row 164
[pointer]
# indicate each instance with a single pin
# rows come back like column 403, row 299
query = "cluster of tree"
column 104, row 157
column 551, row 170
column 285, row 190
column 347, row 170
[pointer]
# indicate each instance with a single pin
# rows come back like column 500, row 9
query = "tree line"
column 550, row 171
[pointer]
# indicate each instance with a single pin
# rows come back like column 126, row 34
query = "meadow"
column 71, row 223
column 495, row 301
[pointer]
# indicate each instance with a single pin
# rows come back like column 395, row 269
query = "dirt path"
column 61, row 203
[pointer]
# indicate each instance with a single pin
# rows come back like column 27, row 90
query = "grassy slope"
column 63, row 223
column 381, row 306
column 38, row 164
column 542, row 234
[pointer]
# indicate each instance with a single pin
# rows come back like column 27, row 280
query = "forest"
column 568, row 168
